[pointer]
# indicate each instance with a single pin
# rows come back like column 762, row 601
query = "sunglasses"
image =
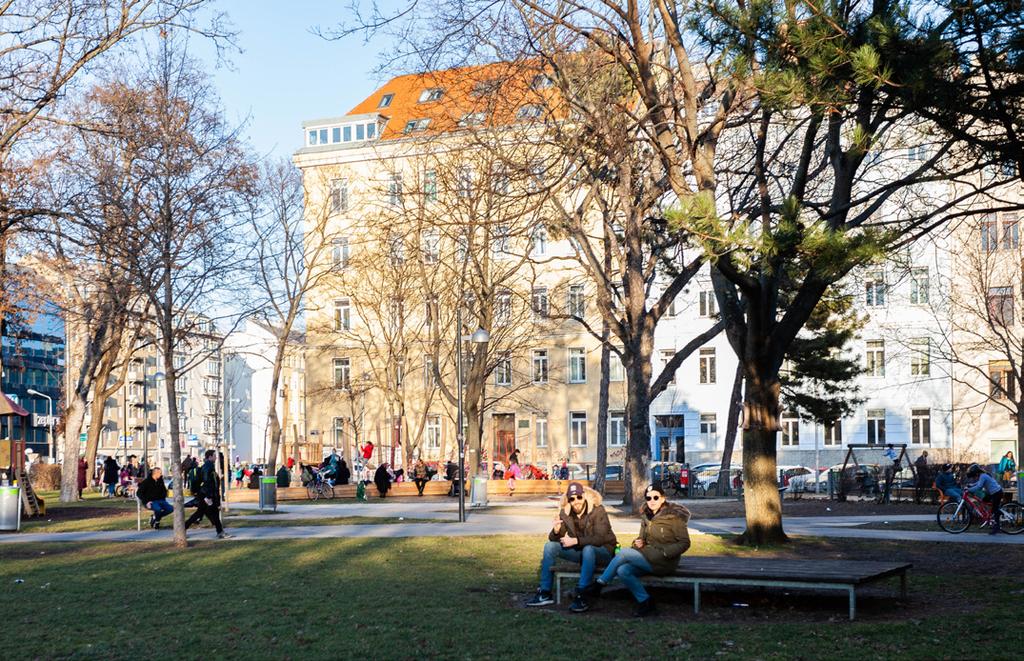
column 572, row 498
column 650, row 498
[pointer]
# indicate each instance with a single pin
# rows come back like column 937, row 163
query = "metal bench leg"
column 696, row 597
column 558, row 588
column 853, row 603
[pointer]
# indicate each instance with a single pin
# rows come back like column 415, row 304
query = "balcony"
column 136, row 375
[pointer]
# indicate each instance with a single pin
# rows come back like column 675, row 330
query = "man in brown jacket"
column 580, row 533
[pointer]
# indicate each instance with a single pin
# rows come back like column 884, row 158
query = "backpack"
column 195, row 480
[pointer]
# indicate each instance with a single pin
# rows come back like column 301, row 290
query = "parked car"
column 664, row 469
column 796, row 478
column 614, row 472
column 706, row 475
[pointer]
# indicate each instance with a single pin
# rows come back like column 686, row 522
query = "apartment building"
column 249, row 352
column 361, row 170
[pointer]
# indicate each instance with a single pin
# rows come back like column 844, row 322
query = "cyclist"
column 986, row 488
column 945, row 482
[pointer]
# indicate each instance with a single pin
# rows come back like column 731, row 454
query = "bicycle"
column 319, row 487
column 956, row 517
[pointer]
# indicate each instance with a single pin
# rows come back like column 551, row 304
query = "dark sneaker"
column 579, row 605
column 542, row 598
column 152, row 520
column 995, row 530
column 223, row 535
column 645, row 608
column 592, row 591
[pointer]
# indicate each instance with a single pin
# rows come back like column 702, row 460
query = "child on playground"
column 985, row 487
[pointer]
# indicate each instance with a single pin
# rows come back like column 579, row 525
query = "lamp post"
column 479, row 336
column 49, row 417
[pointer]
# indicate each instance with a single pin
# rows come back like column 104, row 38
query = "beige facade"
column 420, row 226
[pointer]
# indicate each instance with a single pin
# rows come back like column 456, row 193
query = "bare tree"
column 184, row 247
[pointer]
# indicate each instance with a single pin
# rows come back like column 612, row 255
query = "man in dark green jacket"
column 208, row 498
column 580, row 533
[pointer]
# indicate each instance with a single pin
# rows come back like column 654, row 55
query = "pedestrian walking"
column 1007, row 467
column 111, row 474
column 208, row 496
column 83, row 470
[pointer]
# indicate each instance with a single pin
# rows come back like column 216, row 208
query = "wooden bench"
column 842, row 575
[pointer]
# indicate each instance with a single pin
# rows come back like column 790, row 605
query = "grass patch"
column 445, row 598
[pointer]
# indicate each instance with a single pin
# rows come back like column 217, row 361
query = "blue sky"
column 287, row 74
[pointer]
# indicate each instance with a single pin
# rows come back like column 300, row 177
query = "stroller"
column 126, row 486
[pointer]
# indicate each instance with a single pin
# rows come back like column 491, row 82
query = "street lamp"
column 479, row 336
column 49, row 417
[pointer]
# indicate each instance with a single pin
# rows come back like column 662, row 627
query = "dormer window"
column 542, row 82
column 416, row 125
column 472, row 119
column 528, row 112
column 385, row 100
column 431, row 94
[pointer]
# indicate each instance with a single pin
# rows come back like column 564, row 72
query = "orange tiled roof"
column 497, row 90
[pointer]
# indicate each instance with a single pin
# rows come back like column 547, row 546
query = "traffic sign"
column 83, row 437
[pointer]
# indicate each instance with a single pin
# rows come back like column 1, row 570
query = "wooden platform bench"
column 838, row 575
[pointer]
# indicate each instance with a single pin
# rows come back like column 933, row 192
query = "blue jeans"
column 587, row 559
column 629, row 565
column 110, row 489
column 956, row 493
column 161, row 508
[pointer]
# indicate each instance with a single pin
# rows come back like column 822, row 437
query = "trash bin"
column 478, row 492
column 10, row 508
column 268, row 493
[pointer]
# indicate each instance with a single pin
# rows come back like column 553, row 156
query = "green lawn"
column 462, row 598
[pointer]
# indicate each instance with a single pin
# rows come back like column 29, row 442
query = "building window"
column 833, row 432
column 578, row 429
column 342, row 373
column 671, row 311
column 540, row 366
column 921, row 426
column 917, row 153
column 540, row 242
column 340, row 252
column 1011, row 233
column 431, row 247
column 428, row 373
column 616, row 370
column 431, row 94
column 708, row 369
column 920, row 357
column 616, row 429
column 709, row 429
column 790, row 428
column 875, row 357
column 339, row 195
column 500, row 241
column 430, row 185
column 1000, row 305
column 434, row 432
column 528, row 112
column 539, row 302
column 666, row 357
column 577, row 365
column 502, row 308
column 707, row 303
column 919, row 286
column 876, row 426
column 1002, row 382
column 503, row 372
column 541, row 81
column 396, row 248
column 472, row 119
column 385, row 100
column 342, row 315
column 576, row 303
column 395, row 190
column 542, row 432
column 874, row 290
column 989, row 233
column 464, row 182
column 339, row 432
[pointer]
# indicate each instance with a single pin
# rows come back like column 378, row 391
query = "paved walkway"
column 505, row 520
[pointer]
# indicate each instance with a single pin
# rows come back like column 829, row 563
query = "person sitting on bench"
column 579, row 533
column 945, row 482
column 663, row 539
column 152, row 493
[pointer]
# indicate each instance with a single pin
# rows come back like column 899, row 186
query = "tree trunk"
column 274, row 425
column 474, row 438
column 73, row 418
column 638, row 449
column 602, row 411
column 731, row 425
column 97, row 415
column 760, row 484
column 170, row 386
column 1020, row 449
